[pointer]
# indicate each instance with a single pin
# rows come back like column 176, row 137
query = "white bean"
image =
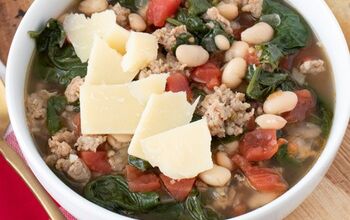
column 136, row 22
column 279, row 102
column 258, row 34
column 222, row 42
column 228, row 10
column 216, row 176
column 234, row 72
column 89, row 7
column 192, row 55
column 238, row 49
column 223, row 160
column 269, row 121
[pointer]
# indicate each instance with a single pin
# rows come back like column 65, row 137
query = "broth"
column 238, row 196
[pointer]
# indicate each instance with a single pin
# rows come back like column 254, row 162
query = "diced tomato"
column 178, row 189
column 178, row 82
column 139, row 181
column 96, row 161
column 76, row 124
column 208, row 74
column 252, row 58
column 159, row 10
column 260, row 144
column 306, row 104
column 262, row 179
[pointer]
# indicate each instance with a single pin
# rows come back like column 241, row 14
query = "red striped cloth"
column 16, row 200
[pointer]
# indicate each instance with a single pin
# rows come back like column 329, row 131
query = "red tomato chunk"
column 139, row 181
column 208, row 74
column 260, row 144
column 159, row 10
column 178, row 82
column 262, row 179
column 178, row 189
column 306, row 104
column 96, row 161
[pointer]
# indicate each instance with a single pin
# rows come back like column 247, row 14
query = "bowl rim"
column 73, row 202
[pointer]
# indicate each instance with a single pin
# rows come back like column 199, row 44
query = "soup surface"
column 169, row 109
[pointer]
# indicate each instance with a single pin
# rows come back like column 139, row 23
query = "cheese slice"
column 182, row 152
column 104, row 65
column 141, row 49
column 163, row 112
column 81, row 30
column 117, row 38
column 116, row 109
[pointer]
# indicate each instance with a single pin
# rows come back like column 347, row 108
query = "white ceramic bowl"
column 316, row 13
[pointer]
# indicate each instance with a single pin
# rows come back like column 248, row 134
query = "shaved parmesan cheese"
column 163, row 112
column 105, row 65
column 141, row 49
column 81, row 30
column 116, row 109
column 117, row 38
column 182, row 152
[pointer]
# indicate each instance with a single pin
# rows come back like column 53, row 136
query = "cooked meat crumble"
column 90, row 142
column 118, row 159
column 167, row 35
column 36, row 105
column 312, row 67
column 226, row 112
column 61, row 143
column 73, row 89
column 75, row 169
column 214, row 14
column 161, row 65
column 252, row 6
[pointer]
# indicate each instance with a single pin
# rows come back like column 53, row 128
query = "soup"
column 175, row 109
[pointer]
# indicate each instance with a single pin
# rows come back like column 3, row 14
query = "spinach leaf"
column 208, row 41
column 327, row 118
column 112, row 192
column 196, row 209
column 284, row 158
column 197, row 7
column 133, row 5
column 262, row 83
column 57, row 61
column 139, row 163
column 292, row 33
column 51, row 36
column 272, row 19
column 191, row 209
column 184, row 38
column 55, row 106
column 270, row 55
column 289, row 84
column 194, row 24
